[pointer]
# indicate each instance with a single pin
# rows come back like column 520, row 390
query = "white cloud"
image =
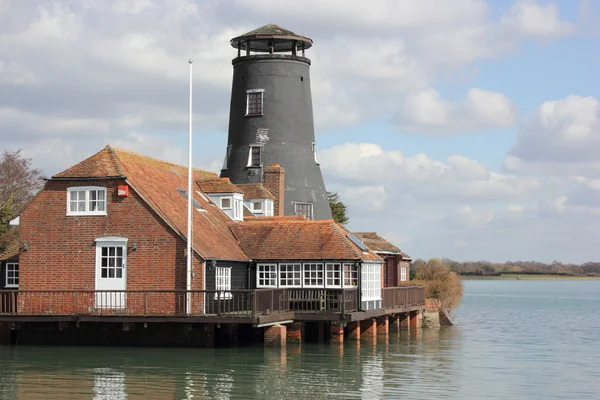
column 561, row 137
column 427, row 112
column 541, row 21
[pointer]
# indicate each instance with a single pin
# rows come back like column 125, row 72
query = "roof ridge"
column 115, row 159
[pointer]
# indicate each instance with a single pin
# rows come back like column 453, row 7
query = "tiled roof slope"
column 219, row 185
column 255, row 191
column 377, row 243
column 101, row 165
column 283, row 238
column 157, row 182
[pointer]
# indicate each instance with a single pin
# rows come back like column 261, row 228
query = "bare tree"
column 19, row 182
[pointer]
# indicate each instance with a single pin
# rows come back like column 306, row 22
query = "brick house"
column 117, row 221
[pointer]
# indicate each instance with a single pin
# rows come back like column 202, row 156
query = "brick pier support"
column 415, row 319
column 295, row 332
column 368, row 329
column 404, row 321
column 394, row 323
column 354, row 330
column 336, row 333
column 383, row 326
column 275, row 336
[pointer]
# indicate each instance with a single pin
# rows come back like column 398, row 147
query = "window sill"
column 11, row 286
column 88, row 214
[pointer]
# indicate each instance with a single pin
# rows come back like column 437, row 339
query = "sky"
column 466, row 129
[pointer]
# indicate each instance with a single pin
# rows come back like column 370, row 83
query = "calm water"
column 513, row 340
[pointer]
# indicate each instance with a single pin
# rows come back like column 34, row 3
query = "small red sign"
column 123, row 191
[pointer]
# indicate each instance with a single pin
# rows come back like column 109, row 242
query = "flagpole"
column 189, row 216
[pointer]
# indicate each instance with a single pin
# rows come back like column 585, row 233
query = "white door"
column 111, row 273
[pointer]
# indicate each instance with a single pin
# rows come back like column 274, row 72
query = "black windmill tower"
column 271, row 118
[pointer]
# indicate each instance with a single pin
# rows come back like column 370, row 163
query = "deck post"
column 275, row 336
column 336, row 332
column 253, row 303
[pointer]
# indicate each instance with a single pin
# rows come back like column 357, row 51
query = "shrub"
column 440, row 282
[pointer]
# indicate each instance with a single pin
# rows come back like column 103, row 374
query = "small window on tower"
column 254, row 102
column 254, row 158
column 305, row 209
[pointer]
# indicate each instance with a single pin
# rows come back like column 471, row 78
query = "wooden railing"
column 405, row 296
column 234, row 303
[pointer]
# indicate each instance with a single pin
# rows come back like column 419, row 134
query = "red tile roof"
column 157, row 182
column 293, row 238
column 101, row 165
column 255, row 191
column 220, row 185
column 378, row 244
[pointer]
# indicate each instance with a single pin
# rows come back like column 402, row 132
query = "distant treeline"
column 519, row 267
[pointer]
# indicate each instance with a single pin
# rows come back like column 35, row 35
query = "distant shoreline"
column 529, row 277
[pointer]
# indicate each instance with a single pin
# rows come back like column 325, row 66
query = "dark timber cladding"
column 271, row 114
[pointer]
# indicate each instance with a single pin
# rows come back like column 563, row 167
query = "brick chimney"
column 274, row 182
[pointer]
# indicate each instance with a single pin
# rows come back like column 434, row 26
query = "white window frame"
column 370, row 280
column 269, row 208
column 260, row 156
column 223, row 283
column 336, row 274
column 257, row 209
column 238, row 208
column 221, row 203
column 87, row 190
column 262, row 279
column 314, row 150
column 12, row 274
column 312, row 209
column 262, row 101
column 350, row 275
column 306, row 278
column 403, row 274
column 296, row 271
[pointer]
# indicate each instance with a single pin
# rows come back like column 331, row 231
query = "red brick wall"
column 274, row 181
column 61, row 251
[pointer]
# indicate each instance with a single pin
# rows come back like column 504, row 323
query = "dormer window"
column 254, row 102
column 89, row 200
column 269, row 208
column 255, row 156
column 257, row 206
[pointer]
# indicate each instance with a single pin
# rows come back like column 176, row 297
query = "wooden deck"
column 257, row 307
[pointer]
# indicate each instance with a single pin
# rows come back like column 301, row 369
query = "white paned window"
column 266, row 275
column 305, row 209
column 350, row 275
column 371, row 282
column 226, row 203
column 313, row 275
column 333, row 275
column 12, row 275
column 111, row 262
column 254, row 102
column 257, row 206
column 290, row 275
column 86, row 201
column 403, row 274
column 269, row 204
column 223, row 283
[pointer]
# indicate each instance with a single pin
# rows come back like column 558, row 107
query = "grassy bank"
column 529, row 277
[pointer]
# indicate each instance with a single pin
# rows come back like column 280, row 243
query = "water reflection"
column 368, row 370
